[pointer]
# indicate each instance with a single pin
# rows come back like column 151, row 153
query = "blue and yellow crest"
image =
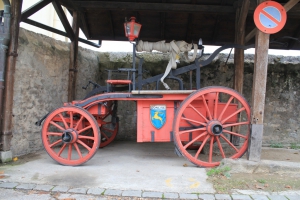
column 158, row 115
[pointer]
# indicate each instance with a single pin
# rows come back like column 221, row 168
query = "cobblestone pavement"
column 11, row 191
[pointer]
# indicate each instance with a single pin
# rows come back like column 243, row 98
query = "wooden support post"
column 73, row 57
column 6, row 132
column 258, row 94
column 241, row 16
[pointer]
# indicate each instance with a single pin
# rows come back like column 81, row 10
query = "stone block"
column 5, row 156
column 26, row 186
column 240, row 197
column 44, row 187
column 277, row 197
column 207, row 197
column 188, row 196
column 9, row 185
column 222, row 197
column 113, row 192
column 152, row 194
column 60, row 188
column 171, row 195
column 78, row 190
column 95, row 191
column 259, row 197
column 132, row 193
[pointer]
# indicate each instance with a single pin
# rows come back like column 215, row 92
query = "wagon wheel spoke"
column 236, row 134
column 198, row 112
column 233, row 114
column 79, row 123
column 78, row 150
column 57, row 126
column 220, row 147
column 201, row 147
column 84, row 145
column 61, row 138
column 54, row 133
column 103, row 134
column 55, row 143
column 195, row 139
column 61, row 150
column 86, row 137
column 63, row 120
column 216, row 106
column 225, row 108
column 84, row 129
column 191, row 130
column 206, row 107
column 211, row 145
column 194, row 121
column 204, row 117
column 230, row 144
column 71, row 120
column 237, row 124
column 70, row 152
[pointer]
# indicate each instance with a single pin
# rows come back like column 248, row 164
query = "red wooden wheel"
column 64, row 131
column 211, row 117
column 109, row 129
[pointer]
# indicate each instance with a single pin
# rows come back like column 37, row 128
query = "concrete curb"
column 237, row 195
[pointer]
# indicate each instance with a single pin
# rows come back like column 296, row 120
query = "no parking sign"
column 270, row 17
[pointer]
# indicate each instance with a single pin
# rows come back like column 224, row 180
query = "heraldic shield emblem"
column 158, row 115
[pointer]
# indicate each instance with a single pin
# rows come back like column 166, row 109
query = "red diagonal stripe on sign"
column 270, row 16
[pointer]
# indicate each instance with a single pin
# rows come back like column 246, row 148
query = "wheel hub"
column 214, row 128
column 69, row 136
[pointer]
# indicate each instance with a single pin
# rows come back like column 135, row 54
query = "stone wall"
column 41, row 82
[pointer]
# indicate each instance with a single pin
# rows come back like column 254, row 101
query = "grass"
column 218, row 171
column 295, row 146
column 276, row 145
column 262, row 181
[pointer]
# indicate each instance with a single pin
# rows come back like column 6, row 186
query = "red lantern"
column 132, row 29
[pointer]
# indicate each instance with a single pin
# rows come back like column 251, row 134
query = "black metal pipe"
column 4, row 41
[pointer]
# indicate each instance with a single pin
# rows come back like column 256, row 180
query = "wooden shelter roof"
column 212, row 20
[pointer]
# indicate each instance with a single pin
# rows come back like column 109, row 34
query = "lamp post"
column 132, row 31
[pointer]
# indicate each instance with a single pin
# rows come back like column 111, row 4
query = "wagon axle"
column 214, row 127
column 69, row 136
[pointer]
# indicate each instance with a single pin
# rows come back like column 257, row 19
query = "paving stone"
column 171, row 195
column 152, row 194
column 207, row 196
column 60, row 188
column 95, row 191
column 277, row 197
column 222, row 197
column 78, row 190
column 259, row 197
column 9, row 185
column 44, row 187
column 132, row 193
column 240, row 197
column 188, row 196
column 26, row 186
column 113, row 192
column 292, row 197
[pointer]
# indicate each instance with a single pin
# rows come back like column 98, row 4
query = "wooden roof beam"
column 33, row 9
column 292, row 42
column 59, row 32
column 289, row 5
column 64, row 20
column 156, row 7
column 111, row 24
